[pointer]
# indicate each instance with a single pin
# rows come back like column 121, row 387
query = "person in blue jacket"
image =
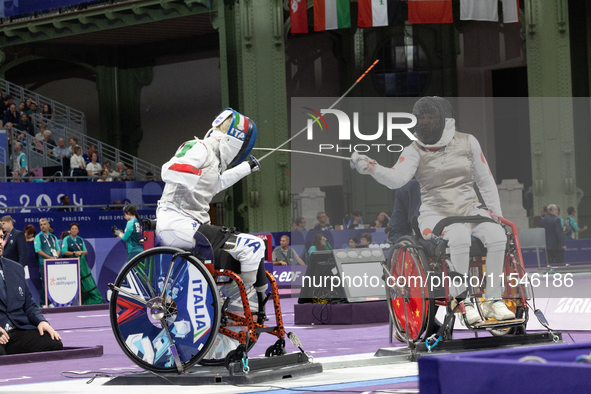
column 133, row 232
column 23, row 329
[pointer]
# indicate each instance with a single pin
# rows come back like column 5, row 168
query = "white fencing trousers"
column 174, row 228
column 459, row 240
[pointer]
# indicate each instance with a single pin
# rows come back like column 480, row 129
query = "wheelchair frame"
column 409, row 258
column 160, row 309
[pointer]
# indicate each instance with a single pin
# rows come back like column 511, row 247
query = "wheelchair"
column 168, row 307
column 415, row 294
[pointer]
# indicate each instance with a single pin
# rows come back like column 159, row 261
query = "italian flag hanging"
column 331, row 14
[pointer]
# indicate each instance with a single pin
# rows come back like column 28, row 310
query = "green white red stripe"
column 241, row 123
column 331, row 14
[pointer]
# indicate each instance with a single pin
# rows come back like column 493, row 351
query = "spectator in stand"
column 284, row 255
column 47, row 113
column 77, row 164
column 323, row 224
column 19, row 135
column 103, row 176
column 572, row 222
column 555, row 242
column 319, row 243
column 381, row 221
column 88, row 155
column 61, row 151
column 149, row 176
column 5, row 103
column 16, row 177
column 50, row 144
column 93, row 168
column 20, row 159
column 32, row 112
column 73, row 144
column 25, row 125
column 356, row 221
column 120, row 169
column 22, row 107
column 365, row 239
column 300, row 223
column 15, row 243
column 42, row 128
column 28, row 103
column 110, row 172
column 128, row 175
column 30, row 232
column 12, row 115
column 117, row 205
column 353, row 242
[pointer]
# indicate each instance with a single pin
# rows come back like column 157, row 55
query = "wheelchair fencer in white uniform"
column 447, row 164
column 194, row 175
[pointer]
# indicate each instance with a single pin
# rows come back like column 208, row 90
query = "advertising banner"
column 62, row 282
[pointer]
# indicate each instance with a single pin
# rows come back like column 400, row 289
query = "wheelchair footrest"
column 265, row 329
column 499, row 324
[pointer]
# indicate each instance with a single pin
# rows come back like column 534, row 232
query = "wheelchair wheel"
column 147, row 325
column 411, row 308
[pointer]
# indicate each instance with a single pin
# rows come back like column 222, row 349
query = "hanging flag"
column 429, row 11
column 298, row 14
column 374, row 13
column 479, row 10
column 331, row 14
column 510, row 11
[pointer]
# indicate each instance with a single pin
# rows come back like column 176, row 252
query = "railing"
column 104, row 151
column 62, row 114
column 3, row 162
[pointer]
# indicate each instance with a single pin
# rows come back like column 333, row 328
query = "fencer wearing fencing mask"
column 435, row 123
column 238, row 140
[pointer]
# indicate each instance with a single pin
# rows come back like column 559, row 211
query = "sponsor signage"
column 62, row 282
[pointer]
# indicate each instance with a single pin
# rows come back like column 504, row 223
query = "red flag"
column 299, row 16
column 430, row 11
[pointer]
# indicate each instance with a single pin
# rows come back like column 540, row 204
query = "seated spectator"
column 117, row 205
column 120, row 170
column 61, row 151
column 47, row 113
column 39, row 136
column 66, row 207
column 300, row 223
column 110, row 172
column 365, row 239
column 381, row 221
column 25, row 126
column 50, row 144
column 16, row 177
column 356, row 221
column 19, row 164
column 77, row 164
column 73, row 141
column 22, row 326
column 93, row 168
column 284, row 255
column 22, row 107
column 5, row 103
column 88, row 155
column 149, row 176
column 12, row 115
column 323, row 224
column 32, row 112
column 319, row 243
column 30, row 232
column 28, row 103
column 103, row 176
column 353, row 242
column 128, row 175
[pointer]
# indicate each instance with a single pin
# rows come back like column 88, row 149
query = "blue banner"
column 16, row 7
column 36, row 197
